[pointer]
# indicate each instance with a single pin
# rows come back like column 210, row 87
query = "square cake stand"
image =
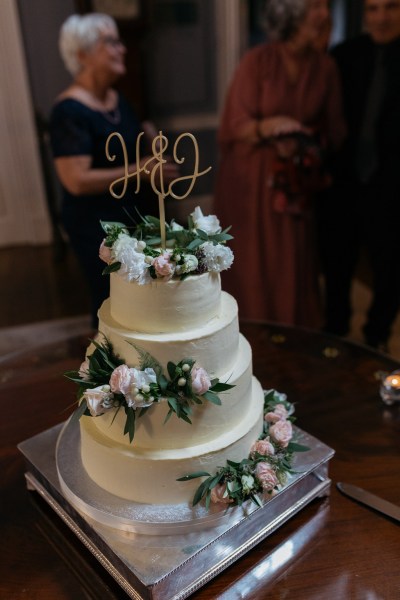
column 165, row 566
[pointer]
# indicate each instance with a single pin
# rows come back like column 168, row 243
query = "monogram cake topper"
column 154, row 167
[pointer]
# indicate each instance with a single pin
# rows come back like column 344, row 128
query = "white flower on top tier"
column 190, row 263
column 176, row 227
column 217, row 257
column 209, row 224
column 129, row 252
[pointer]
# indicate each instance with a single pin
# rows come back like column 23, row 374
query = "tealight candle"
column 390, row 388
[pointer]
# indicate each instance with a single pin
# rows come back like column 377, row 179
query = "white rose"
column 190, row 264
column 98, row 400
column 247, row 482
column 140, row 380
column 144, row 377
column 129, row 252
column 209, row 224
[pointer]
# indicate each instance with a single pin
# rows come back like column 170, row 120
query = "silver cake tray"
column 162, row 552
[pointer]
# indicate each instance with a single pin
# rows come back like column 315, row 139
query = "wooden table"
column 333, row 549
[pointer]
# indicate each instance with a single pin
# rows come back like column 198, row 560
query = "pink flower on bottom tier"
column 201, row 382
column 163, row 265
column 266, row 476
column 105, row 252
column 121, row 380
column 279, row 414
column 281, row 433
column 219, row 495
column 263, row 447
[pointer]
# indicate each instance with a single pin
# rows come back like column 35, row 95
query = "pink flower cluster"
column 280, row 433
column 133, row 384
column 281, row 430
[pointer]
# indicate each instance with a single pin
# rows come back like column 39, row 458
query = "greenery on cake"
column 134, row 252
column 106, row 383
column 266, row 468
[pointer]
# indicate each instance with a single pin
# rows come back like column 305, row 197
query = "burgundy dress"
column 274, row 276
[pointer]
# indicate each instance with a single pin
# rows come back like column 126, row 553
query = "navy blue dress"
column 77, row 130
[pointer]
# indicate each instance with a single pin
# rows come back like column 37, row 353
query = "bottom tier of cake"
column 149, row 476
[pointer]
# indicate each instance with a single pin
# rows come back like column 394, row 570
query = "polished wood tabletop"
column 333, row 549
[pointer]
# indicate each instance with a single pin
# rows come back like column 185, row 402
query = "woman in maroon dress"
column 283, row 95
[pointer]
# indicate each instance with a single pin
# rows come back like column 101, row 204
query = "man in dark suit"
column 363, row 206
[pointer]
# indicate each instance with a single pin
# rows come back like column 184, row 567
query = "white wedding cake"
column 167, row 394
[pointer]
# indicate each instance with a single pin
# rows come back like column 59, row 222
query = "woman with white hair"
column 83, row 117
column 284, row 96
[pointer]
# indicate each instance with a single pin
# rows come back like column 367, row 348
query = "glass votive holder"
column 390, row 388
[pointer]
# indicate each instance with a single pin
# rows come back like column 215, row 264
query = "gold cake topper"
column 154, row 167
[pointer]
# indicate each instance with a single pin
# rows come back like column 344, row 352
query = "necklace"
column 113, row 116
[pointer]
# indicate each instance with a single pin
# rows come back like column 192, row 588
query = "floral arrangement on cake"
column 106, row 382
column 266, row 468
column 136, row 254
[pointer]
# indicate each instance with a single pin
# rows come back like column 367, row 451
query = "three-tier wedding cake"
column 167, row 308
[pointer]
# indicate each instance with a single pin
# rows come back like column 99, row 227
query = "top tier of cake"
column 165, row 306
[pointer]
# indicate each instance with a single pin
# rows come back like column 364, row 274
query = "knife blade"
column 365, row 497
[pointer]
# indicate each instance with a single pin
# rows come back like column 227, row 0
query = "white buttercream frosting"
column 213, row 346
column 164, row 306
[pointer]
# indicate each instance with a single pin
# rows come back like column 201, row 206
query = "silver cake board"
column 178, row 554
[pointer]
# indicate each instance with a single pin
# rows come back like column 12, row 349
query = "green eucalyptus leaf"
column 168, row 416
column 221, row 387
column 130, row 422
column 194, row 476
column 173, row 403
column 211, row 397
column 111, row 268
column 171, row 368
column 76, row 415
column 201, row 490
column 295, row 447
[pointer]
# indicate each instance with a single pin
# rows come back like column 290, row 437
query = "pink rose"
column 163, row 265
column 121, row 380
column 201, row 382
column 281, row 433
column 266, row 476
column 263, row 447
column 105, row 252
column 272, row 417
column 280, row 413
column 219, row 494
column 84, row 370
